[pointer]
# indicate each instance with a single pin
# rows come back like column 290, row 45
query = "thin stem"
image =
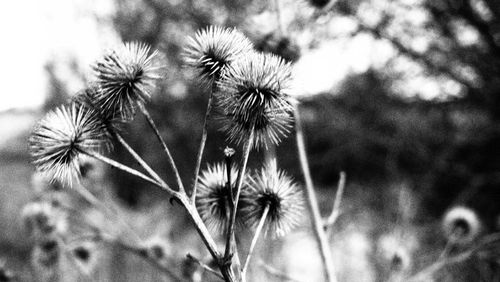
column 138, row 158
column 202, row 147
column 204, row 266
column 185, row 202
column 123, row 167
column 152, row 124
column 239, row 181
column 312, row 203
column 205, row 236
column 336, row 203
column 254, row 242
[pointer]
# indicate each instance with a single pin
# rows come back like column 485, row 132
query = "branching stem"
column 312, row 203
column 202, row 147
column 171, row 161
column 256, row 236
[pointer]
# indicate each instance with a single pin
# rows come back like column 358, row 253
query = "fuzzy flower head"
column 61, row 137
column 88, row 97
column 126, row 76
column 213, row 196
column 276, row 191
column 211, row 50
column 252, row 97
column 461, row 225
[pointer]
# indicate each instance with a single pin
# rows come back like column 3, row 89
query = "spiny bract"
column 272, row 189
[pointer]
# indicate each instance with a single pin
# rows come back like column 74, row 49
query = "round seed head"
column 461, row 225
column 61, row 136
column 212, row 49
column 126, row 76
column 272, row 189
column 252, row 96
column 88, row 98
column 213, row 196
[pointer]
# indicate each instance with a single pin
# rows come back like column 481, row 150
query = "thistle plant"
column 209, row 53
column 214, row 196
column 272, row 204
column 250, row 88
column 253, row 100
column 126, row 77
column 62, row 136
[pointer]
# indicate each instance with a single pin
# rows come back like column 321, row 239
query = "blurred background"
column 402, row 95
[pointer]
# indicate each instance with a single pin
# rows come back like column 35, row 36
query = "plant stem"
column 205, row 236
column 336, row 203
column 312, row 203
column 202, row 147
column 123, row 167
column 254, row 242
column 185, row 202
column 171, row 161
column 239, row 180
column 204, row 266
column 138, row 158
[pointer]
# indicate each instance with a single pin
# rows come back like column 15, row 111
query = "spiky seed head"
column 252, row 96
column 126, row 76
column 212, row 49
column 61, row 136
column 461, row 225
column 88, row 98
column 213, row 196
column 274, row 189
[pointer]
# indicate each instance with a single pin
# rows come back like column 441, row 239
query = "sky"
column 36, row 32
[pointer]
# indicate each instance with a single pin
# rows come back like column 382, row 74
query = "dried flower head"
column 88, row 98
column 61, row 136
column 461, row 225
column 211, row 50
column 213, row 196
column 272, row 189
column 252, row 96
column 126, row 76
